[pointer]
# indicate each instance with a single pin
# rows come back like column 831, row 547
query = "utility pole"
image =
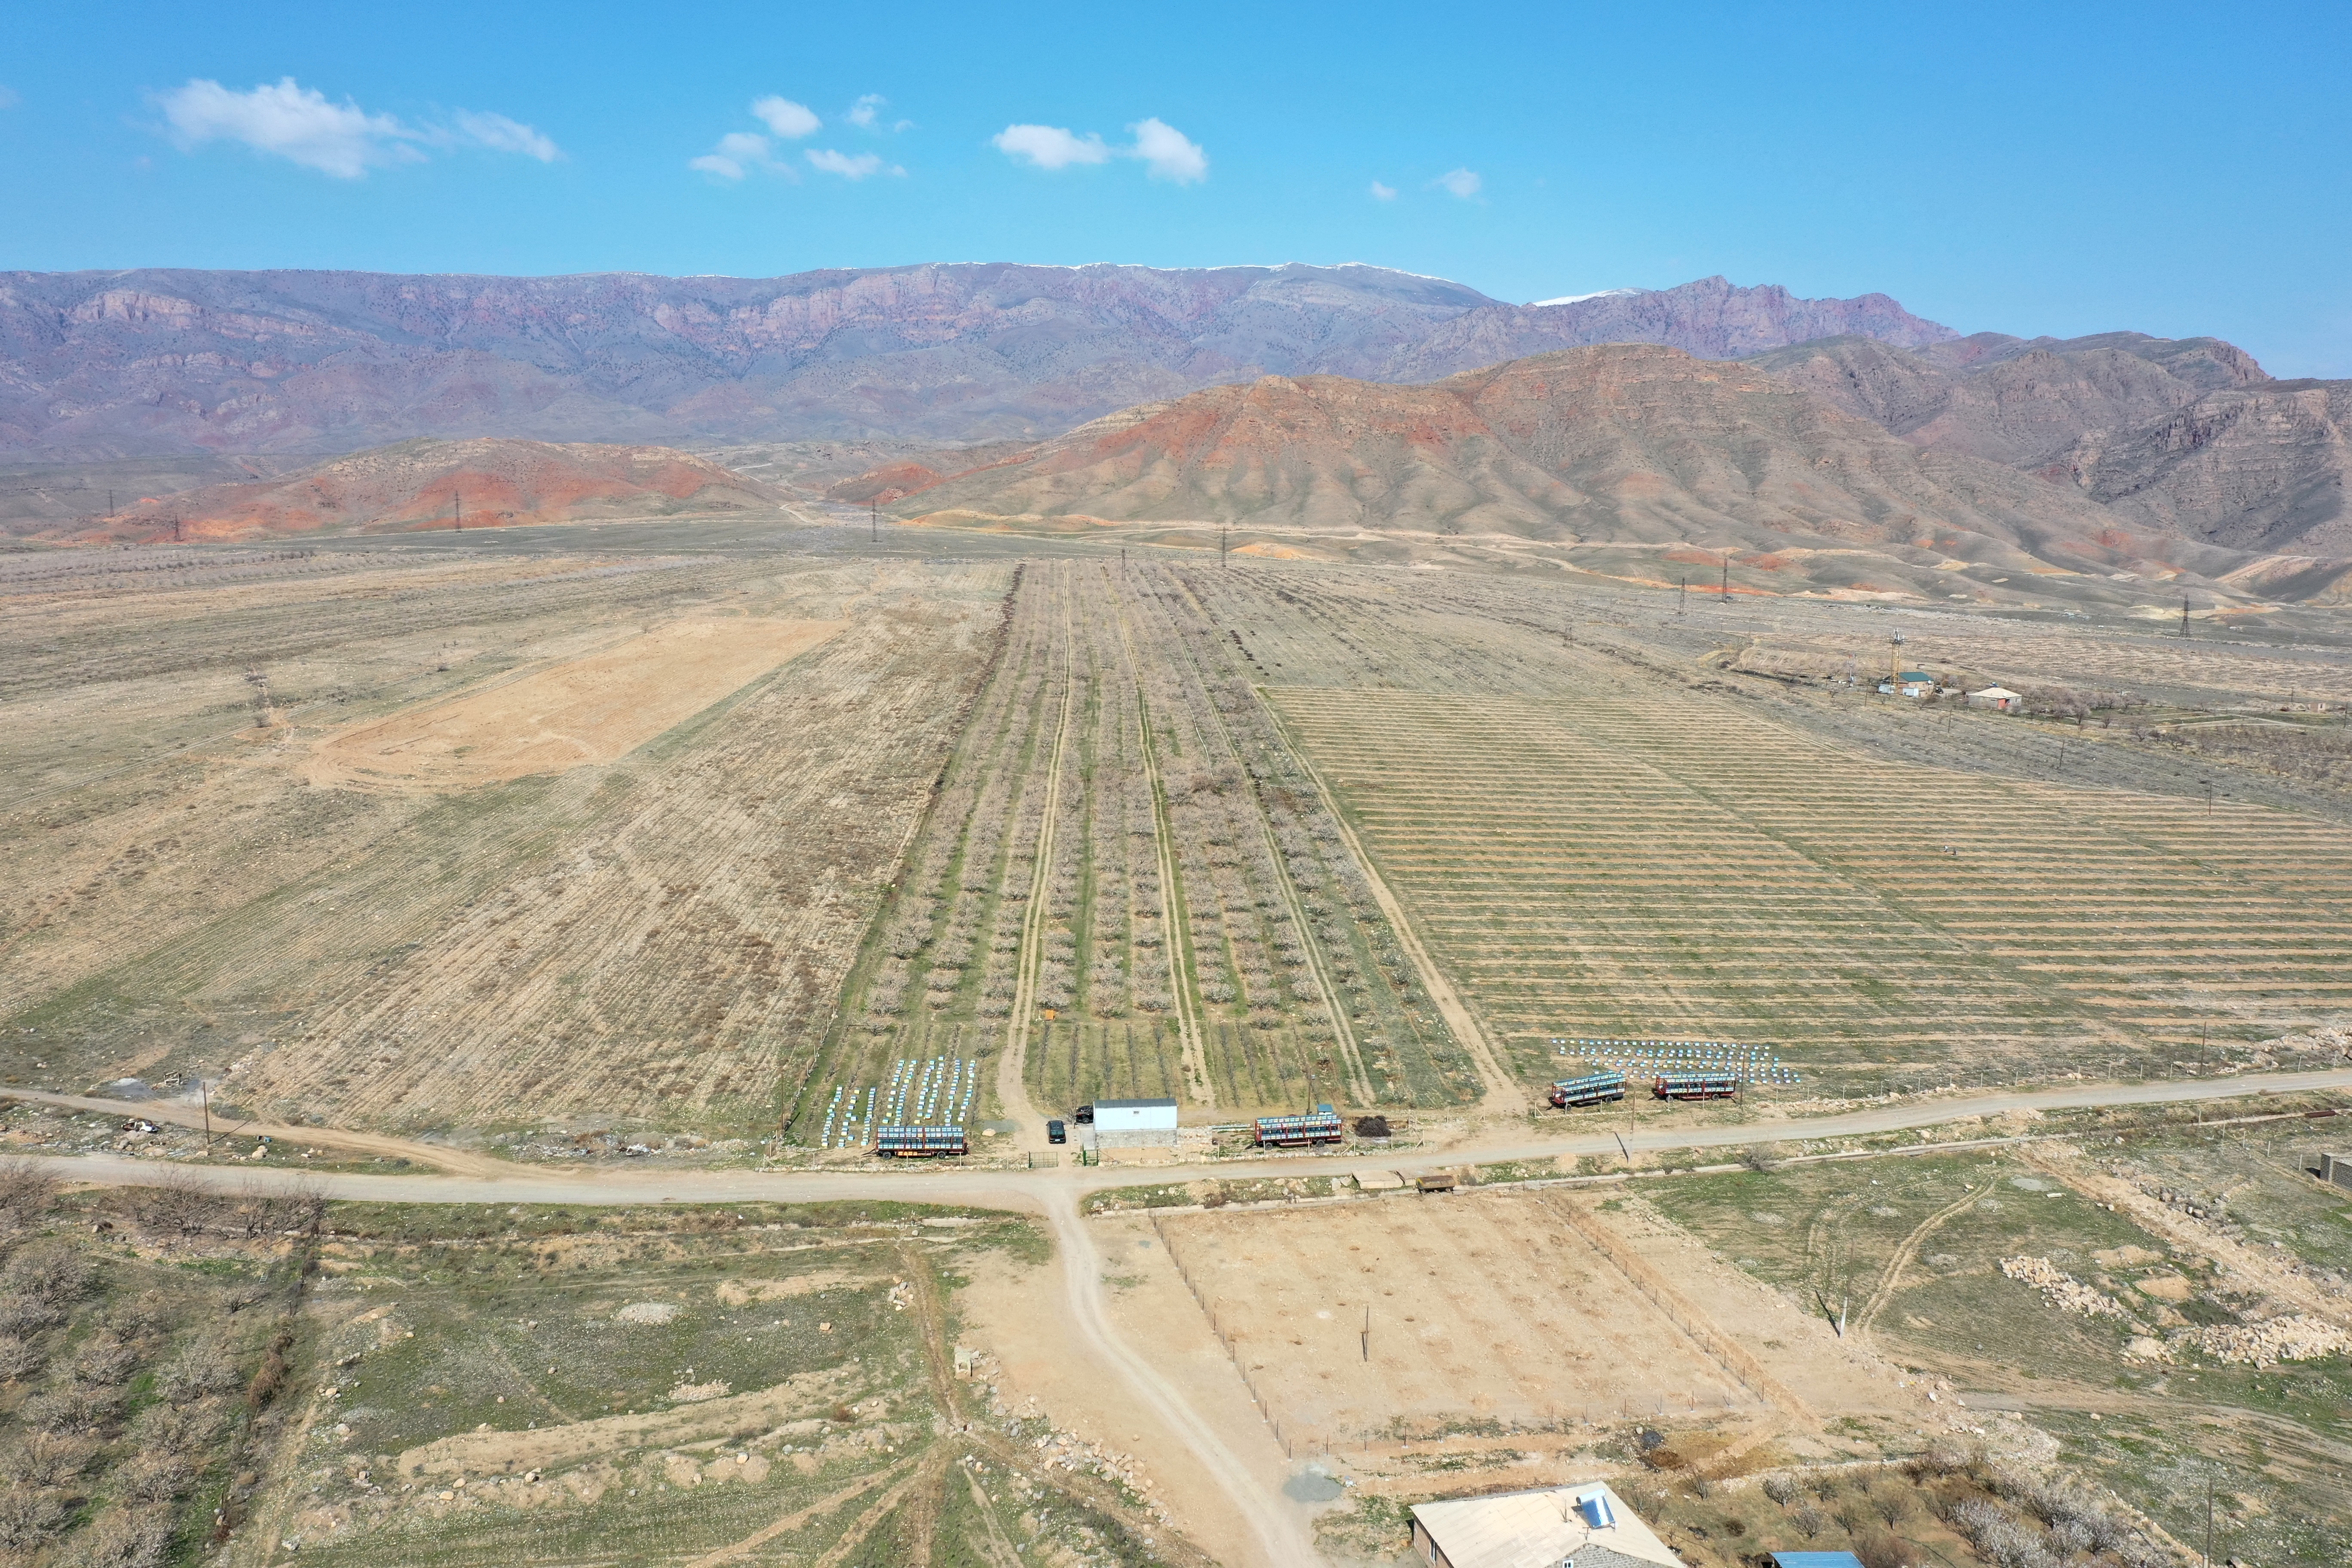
column 1221, row 546
column 204, row 1093
column 175, row 531
column 2184, row 615
column 1682, row 594
column 873, row 522
column 1726, row 578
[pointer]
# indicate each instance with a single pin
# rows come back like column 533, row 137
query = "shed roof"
column 1815, row 1559
column 1101, row 1105
column 1537, row 1529
column 1994, row 691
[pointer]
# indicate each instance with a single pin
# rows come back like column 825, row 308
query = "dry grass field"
column 646, row 929
column 1351, row 1327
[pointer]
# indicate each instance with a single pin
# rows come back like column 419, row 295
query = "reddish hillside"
column 422, row 484
column 1626, row 445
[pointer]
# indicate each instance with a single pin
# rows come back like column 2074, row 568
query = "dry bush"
column 29, row 1517
column 1808, row 1519
column 126, row 1538
column 1999, row 1536
column 102, row 1360
column 157, row 1476
column 149, row 1315
column 18, row 1360
column 74, row 1409
column 1762, row 1158
column 206, row 1366
column 44, row 1459
column 42, row 1281
column 177, row 1204
column 179, row 1428
column 27, row 1192
column 1781, row 1490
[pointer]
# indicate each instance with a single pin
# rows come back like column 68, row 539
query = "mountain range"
column 98, row 365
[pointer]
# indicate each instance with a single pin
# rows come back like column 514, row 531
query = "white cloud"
column 1381, row 192
column 1461, row 183
column 299, row 124
column 1171, row 153
column 292, row 122
column 501, row 134
column 788, row 120
column 739, row 152
column 1049, row 147
column 849, row 167
column 861, row 113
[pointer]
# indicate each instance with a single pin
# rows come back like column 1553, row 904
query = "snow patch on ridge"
column 1580, row 298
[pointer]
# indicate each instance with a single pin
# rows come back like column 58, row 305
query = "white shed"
column 2000, row 697
column 1588, row 1526
column 1135, row 1123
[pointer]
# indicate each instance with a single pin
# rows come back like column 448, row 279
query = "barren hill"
column 1616, row 445
column 2185, row 434
column 120, row 364
column 425, row 484
column 1625, row 441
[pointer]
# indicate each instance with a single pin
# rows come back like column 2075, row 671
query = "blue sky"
column 2173, row 169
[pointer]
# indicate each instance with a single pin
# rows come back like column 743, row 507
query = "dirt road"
column 1056, row 1195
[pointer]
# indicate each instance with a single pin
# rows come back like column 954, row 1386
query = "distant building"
column 2000, row 697
column 2333, row 1169
column 1135, row 1123
column 1587, row 1526
column 1916, row 683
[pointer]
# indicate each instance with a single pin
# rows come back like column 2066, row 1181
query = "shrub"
column 18, row 1360
column 127, row 1538
column 1781, row 1490
column 157, row 1476
column 1999, row 1537
column 72, row 1409
column 182, row 1427
column 50, row 1272
column 206, row 1366
column 102, row 1359
column 44, row 1459
column 27, row 1518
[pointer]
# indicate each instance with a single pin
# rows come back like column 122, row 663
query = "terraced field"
column 1126, row 888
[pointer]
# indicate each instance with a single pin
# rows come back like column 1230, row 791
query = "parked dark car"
column 1057, row 1133
column 1084, row 1116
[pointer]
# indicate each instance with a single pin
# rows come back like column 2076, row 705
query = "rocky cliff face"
column 487, row 483
column 2185, row 434
column 132, row 363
